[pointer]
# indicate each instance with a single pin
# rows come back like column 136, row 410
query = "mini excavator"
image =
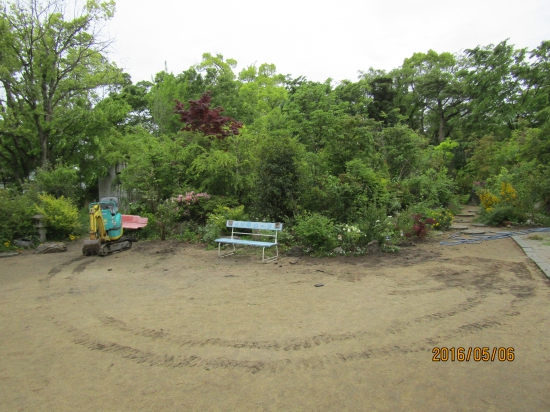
column 107, row 228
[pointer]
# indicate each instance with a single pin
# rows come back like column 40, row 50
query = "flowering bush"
column 353, row 233
column 488, row 200
column 507, row 193
column 499, row 192
column 500, row 208
column 350, row 237
column 443, row 218
column 387, row 230
column 188, row 206
column 191, row 198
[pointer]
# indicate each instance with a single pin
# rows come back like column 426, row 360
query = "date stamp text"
column 477, row 354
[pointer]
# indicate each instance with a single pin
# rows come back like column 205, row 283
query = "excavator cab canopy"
column 110, row 203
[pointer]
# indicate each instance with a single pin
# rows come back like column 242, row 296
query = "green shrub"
column 61, row 215
column 345, row 197
column 316, row 232
column 500, row 214
column 165, row 218
column 277, row 182
column 435, row 189
column 374, row 223
column 59, row 181
column 222, row 214
column 151, row 231
column 16, row 211
column 210, row 232
column 216, row 223
column 83, row 222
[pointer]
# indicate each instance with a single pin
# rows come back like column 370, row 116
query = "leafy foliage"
column 421, row 226
column 51, row 68
column 277, row 187
column 363, row 155
column 208, row 121
column 443, row 218
column 59, row 181
column 16, row 211
column 61, row 215
column 316, row 232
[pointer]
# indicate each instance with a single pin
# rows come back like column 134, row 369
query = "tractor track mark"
column 172, row 361
column 118, row 324
column 82, row 266
column 287, row 345
column 273, row 366
column 45, row 282
column 294, row 344
column 470, row 304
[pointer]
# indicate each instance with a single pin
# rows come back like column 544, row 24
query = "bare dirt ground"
column 170, row 327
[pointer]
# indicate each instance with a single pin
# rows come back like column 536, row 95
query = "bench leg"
column 271, row 259
column 231, row 252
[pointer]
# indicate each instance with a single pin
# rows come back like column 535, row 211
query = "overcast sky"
column 317, row 39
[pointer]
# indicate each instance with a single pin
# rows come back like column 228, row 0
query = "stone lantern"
column 40, row 227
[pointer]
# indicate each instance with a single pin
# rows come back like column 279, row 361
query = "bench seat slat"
column 245, row 242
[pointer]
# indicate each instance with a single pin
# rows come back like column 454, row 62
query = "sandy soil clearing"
column 170, row 327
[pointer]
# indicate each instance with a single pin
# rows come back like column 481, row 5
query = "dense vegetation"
column 342, row 163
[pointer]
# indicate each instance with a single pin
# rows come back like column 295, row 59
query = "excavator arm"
column 98, row 230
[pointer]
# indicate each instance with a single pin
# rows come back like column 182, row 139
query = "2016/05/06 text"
column 476, row 354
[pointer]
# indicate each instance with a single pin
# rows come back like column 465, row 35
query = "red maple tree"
column 202, row 118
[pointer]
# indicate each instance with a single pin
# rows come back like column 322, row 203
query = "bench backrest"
column 254, row 225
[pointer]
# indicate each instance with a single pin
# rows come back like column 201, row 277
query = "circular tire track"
column 481, row 277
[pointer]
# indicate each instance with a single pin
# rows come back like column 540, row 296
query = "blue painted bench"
column 270, row 238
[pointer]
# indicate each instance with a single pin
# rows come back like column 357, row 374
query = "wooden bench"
column 236, row 225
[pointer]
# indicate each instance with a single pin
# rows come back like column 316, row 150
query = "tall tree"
column 437, row 84
column 220, row 79
column 262, row 91
column 509, row 86
column 51, row 69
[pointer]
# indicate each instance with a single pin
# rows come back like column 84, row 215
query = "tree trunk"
column 441, row 135
column 442, row 121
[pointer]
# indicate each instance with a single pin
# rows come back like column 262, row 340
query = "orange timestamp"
column 476, row 354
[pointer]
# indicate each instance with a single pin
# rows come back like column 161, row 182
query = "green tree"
column 219, row 78
column 262, row 91
column 402, row 151
column 155, row 166
column 314, row 113
column 278, row 178
column 383, row 95
column 436, row 83
column 51, row 69
column 494, row 87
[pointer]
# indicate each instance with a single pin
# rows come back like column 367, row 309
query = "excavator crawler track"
column 95, row 247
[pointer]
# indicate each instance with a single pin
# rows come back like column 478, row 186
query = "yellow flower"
column 72, row 237
column 7, row 244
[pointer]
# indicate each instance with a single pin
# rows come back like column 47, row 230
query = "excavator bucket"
column 91, row 247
